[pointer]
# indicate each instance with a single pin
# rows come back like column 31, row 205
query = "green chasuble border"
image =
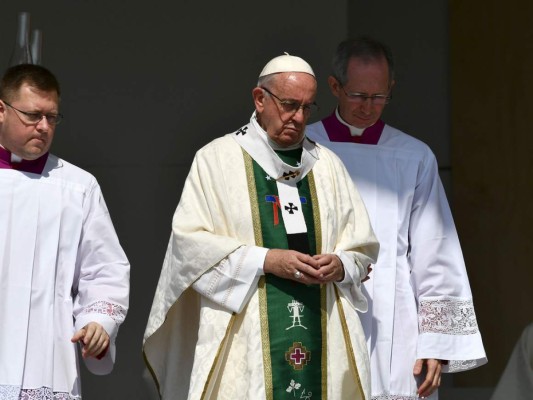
column 262, row 286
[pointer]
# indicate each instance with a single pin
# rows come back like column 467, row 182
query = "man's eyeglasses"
column 292, row 107
column 360, row 98
column 34, row 118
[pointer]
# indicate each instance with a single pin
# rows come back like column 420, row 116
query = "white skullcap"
column 286, row 63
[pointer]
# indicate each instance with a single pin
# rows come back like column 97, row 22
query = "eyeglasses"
column 34, row 118
column 360, row 98
column 292, row 107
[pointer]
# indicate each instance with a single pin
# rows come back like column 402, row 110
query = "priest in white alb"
column 421, row 318
column 261, row 284
column 64, row 279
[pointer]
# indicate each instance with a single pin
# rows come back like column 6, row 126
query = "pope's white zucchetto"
column 286, row 63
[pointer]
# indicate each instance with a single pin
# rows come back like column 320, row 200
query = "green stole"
column 293, row 315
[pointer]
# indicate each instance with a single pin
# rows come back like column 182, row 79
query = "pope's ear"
column 334, row 86
column 258, row 95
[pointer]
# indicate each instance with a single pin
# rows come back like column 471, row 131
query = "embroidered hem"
column 387, row 396
column 9, row 392
column 114, row 311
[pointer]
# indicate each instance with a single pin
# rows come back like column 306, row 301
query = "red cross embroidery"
column 298, row 356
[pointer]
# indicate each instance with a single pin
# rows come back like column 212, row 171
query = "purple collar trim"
column 338, row 132
column 32, row 166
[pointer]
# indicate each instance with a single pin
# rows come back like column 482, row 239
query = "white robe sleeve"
column 355, row 269
column 233, row 280
column 448, row 327
column 101, row 286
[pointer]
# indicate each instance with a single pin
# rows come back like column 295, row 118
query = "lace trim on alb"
column 386, row 396
column 118, row 313
column 461, row 365
column 449, row 316
column 8, row 392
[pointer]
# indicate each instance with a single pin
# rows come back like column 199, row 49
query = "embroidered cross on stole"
column 293, row 315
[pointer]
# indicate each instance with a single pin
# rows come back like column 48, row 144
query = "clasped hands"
column 94, row 340
column 303, row 268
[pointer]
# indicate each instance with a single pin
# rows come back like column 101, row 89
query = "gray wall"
column 146, row 84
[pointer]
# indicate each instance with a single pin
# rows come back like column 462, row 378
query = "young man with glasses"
column 63, row 275
column 421, row 318
column 261, row 282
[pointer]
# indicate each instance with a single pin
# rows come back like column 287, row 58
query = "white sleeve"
column 355, row 268
column 102, row 279
column 232, row 281
column 448, row 328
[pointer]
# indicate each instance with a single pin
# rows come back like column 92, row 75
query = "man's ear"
column 392, row 85
column 258, row 95
column 334, row 86
column 3, row 110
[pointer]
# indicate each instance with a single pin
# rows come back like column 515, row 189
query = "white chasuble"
column 199, row 349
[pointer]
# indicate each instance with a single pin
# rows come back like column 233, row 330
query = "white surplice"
column 61, row 266
column 420, row 302
column 214, row 222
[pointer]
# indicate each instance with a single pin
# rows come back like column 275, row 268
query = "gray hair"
column 265, row 80
column 364, row 48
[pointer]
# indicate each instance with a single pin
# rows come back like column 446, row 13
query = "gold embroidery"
column 348, row 342
column 263, row 312
column 323, row 288
column 256, row 220
column 316, row 212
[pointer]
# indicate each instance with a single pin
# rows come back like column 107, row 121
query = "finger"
column 99, row 346
column 305, row 279
column 327, row 275
column 89, row 333
column 436, row 378
column 323, row 260
column 424, row 389
column 309, row 271
column 78, row 335
column 432, row 381
column 418, row 367
column 307, row 260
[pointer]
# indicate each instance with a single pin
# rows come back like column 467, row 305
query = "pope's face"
column 369, row 78
column 27, row 140
column 283, row 126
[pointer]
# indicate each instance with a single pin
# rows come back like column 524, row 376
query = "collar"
column 9, row 160
column 255, row 141
column 340, row 131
